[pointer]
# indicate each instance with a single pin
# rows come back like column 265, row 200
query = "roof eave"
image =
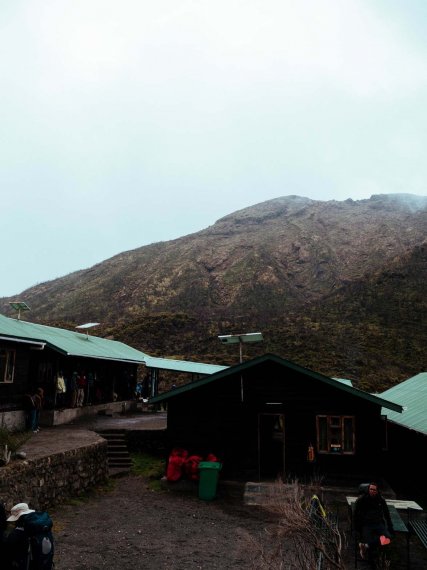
column 239, row 368
column 400, row 424
column 110, row 358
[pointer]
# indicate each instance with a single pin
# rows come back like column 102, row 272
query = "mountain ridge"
column 264, row 266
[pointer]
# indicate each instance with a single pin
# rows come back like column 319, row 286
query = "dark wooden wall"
column 11, row 393
column 38, row 368
column 213, row 418
column 404, row 462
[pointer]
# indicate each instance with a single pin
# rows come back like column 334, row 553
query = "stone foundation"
column 49, row 481
column 67, row 415
column 15, row 420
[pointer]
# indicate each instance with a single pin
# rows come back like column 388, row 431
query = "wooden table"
column 397, row 503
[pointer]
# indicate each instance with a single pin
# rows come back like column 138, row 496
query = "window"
column 7, row 365
column 335, row 434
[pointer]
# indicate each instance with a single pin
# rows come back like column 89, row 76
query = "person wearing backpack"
column 3, row 527
column 30, row 545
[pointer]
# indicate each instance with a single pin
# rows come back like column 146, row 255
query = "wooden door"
column 271, row 446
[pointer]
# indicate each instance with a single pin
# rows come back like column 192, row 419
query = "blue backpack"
column 38, row 528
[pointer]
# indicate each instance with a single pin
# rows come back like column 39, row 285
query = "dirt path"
column 132, row 527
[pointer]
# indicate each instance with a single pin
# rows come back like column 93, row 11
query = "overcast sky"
column 129, row 122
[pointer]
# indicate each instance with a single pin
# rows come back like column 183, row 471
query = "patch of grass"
column 13, row 440
column 149, row 467
column 156, row 485
column 106, row 487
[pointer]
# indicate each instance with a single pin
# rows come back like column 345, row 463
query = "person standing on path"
column 372, row 522
column 81, row 389
column 38, row 405
column 72, row 390
column 29, row 408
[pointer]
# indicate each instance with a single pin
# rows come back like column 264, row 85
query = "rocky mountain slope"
column 335, row 286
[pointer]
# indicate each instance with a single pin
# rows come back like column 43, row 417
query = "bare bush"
column 302, row 536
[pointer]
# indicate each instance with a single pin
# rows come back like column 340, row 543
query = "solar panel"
column 236, row 338
column 19, row 306
column 87, row 326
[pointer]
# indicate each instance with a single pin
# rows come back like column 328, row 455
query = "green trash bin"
column 208, row 482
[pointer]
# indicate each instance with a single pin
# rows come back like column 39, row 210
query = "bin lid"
column 210, row 465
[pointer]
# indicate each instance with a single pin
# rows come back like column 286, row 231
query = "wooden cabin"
column 33, row 355
column 269, row 417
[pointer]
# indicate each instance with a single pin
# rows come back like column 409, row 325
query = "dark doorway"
column 271, row 446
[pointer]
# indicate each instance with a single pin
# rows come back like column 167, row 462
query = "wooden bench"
column 418, row 527
column 400, row 504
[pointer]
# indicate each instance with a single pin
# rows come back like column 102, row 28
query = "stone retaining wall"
column 48, row 481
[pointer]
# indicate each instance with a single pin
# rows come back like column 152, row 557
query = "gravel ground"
column 131, row 527
column 134, row 527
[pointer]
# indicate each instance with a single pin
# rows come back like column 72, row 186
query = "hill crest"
column 268, row 263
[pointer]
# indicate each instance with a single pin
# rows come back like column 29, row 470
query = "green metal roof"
column 182, row 365
column 240, row 368
column 80, row 344
column 67, row 342
column 412, row 395
column 344, row 381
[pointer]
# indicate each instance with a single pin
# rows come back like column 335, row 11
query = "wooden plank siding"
column 11, row 392
column 34, row 368
column 213, row 418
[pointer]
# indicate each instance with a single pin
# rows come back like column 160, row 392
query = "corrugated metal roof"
column 182, row 365
column 344, row 381
column 240, row 368
column 412, row 395
column 69, row 343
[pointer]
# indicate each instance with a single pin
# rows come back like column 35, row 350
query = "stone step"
column 119, row 460
column 117, row 472
column 124, row 462
column 118, row 451
column 117, row 446
column 119, row 457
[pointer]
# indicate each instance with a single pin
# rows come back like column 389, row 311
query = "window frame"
column 335, row 434
column 7, row 366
